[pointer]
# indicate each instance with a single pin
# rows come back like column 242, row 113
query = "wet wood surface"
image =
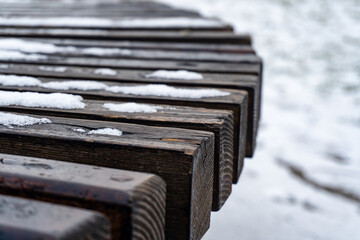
column 248, row 83
column 183, row 158
column 219, row 122
column 236, row 101
column 34, row 220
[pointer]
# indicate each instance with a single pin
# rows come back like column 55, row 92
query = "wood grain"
column 237, row 102
column 183, row 158
column 34, row 220
column 248, row 83
column 219, row 122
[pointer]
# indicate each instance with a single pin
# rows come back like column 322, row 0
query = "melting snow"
column 105, row 51
column 13, row 55
column 132, row 107
column 75, row 85
column 101, row 22
column 105, row 71
column 162, row 90
column 43, row 100
column 52, row 69
column 181, row 74
column 31, row 46
column 106, row 131
column 4, row 66
column 20, row 81
column 79, row 130
column 9, row 120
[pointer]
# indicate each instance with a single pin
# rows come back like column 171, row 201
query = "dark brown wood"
column 140, row 35
column 173, row 46
column 236, row 101
column 35, row 220
column 219, row 122
column 251, row 84
column 145, row 64
column 183, row 158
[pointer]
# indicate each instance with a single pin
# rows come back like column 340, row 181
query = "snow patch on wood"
column 132, row 107
column 10, row 120
column 180, row 74
column 31, row 46
column 106, row 51
column 13, row 55
column 75, row 85
column 42, row 100
column 162, row 90
column 19, row 81
column 105, row 71
column 52, row 69
column 106, row 131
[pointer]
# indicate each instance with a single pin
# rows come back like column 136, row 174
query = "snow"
column 4, row 66
column 43, row 100
column 14, row 55
column 79, row 130
column 52, row 69
column 105, row 71
column 106, row 51
column 132, row 107
column 162, row 90
column 180, row 74
column 310, row 118
column 31, row 46
column 20, row 81
column 75, row 85
column 102, row 22
column 106, row 131
column 9, row 120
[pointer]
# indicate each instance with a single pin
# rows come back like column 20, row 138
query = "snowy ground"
column 304, row 181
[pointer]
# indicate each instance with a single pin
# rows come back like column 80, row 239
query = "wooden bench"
column 219, row 122
column 196, row 144
column 34, row 220
column 183, row 158
column 133, row 202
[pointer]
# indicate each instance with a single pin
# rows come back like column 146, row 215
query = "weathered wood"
column 140, row 35
column 219, row 122
column 188, row 47
column 236, row 101
column 183, row 158
column 69, row 50
column 35, row 220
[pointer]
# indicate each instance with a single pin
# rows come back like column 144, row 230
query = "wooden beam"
column 236, row 101
column 219, row 122
column 183, row 158
column 29, row 219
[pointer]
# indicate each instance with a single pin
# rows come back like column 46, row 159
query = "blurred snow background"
column 304, row 181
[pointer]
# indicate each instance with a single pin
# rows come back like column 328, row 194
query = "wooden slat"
column 250, row 84
column 236, row 101
column 31, row 220
column 173, row 46
column 183, row 158
column 219, row 122
column 139, row 35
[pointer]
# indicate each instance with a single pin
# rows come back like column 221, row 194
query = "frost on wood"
column 180, row 74
column 13, row 55
column 101, row 22
column 9, row 120
column 33, row 99
column 75, row 85
column 132, row 107
column 106, row 131
column 52, row 69
column 106, row 51
column 31, row 46
column 20, row 81
column 162, row 90
column 105, row 71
